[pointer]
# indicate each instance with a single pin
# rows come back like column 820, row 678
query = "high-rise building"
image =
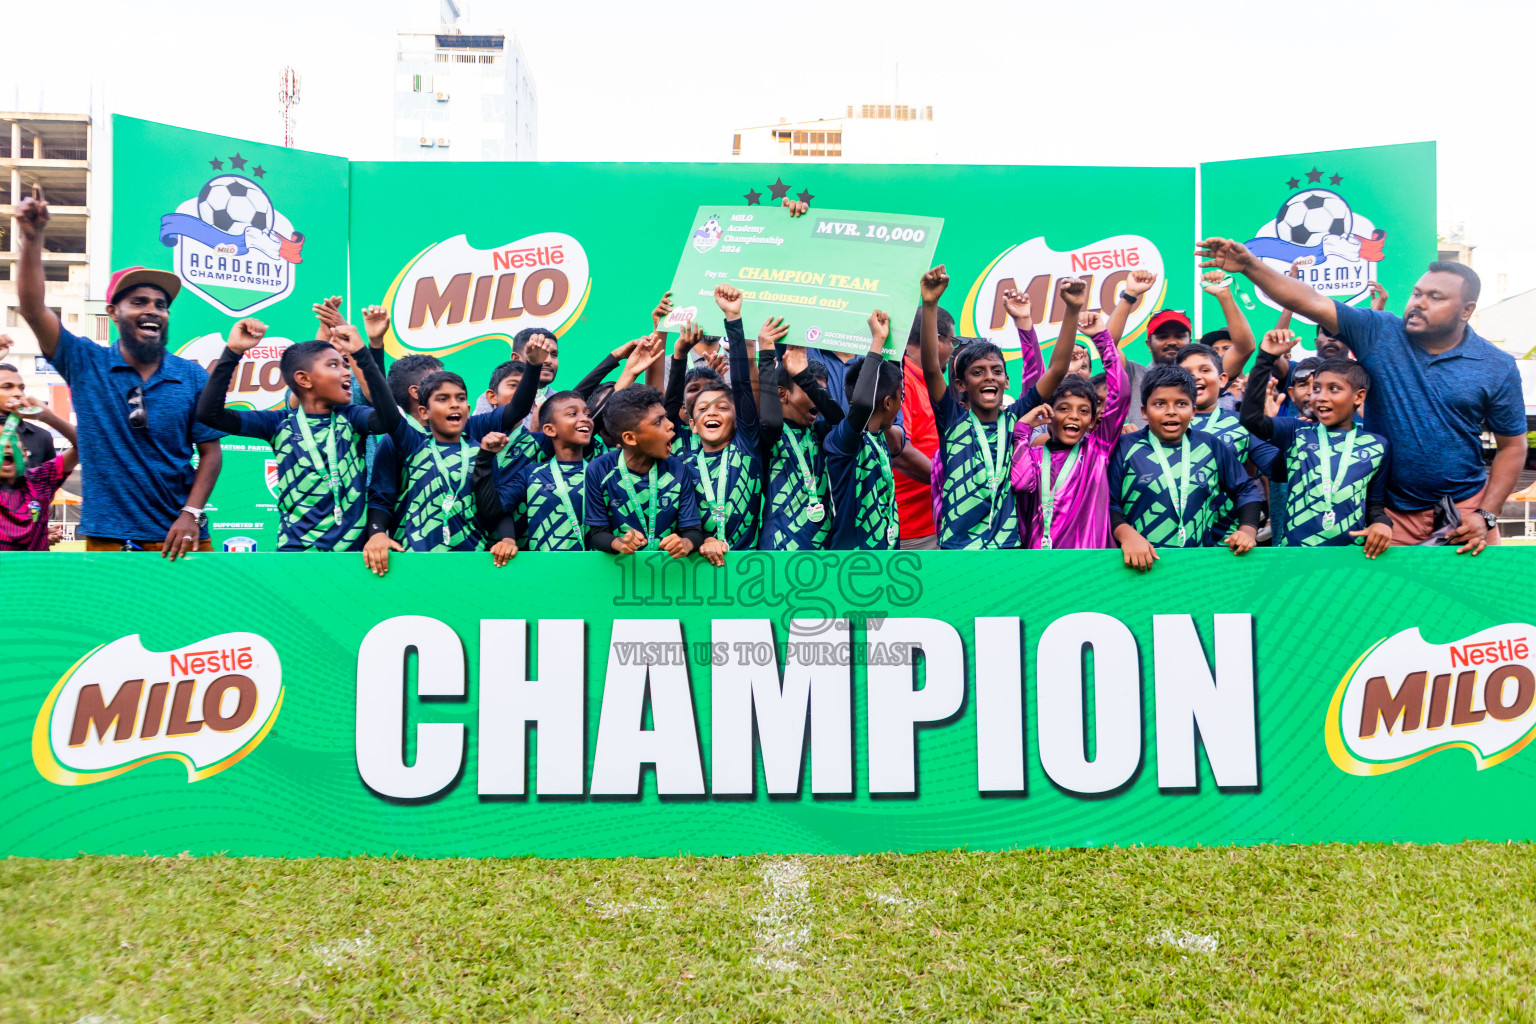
column 54, row 153
column 867, row 133
column 463, row 95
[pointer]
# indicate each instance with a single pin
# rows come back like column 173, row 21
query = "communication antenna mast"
column 288, row 98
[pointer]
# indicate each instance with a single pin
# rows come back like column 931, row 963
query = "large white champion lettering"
column 650, row 671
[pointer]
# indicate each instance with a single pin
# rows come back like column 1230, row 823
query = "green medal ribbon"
column 815, row 511
column 715, row 491
column 563, row 492
column 995, row 466
column 329, row 466
column 1330, row 482
column 455, row 488
column 1180, row 495
column 651, row 508
column 887, row 488
column 1048, row 491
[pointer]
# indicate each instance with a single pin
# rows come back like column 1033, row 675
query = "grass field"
column 1319, row 933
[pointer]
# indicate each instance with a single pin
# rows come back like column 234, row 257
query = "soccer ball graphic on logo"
column 233, row 203
column 1308, row 216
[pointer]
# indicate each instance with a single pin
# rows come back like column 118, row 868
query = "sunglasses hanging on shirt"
column 138, row 418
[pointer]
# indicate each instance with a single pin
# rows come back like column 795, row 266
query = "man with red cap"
column 135, row 404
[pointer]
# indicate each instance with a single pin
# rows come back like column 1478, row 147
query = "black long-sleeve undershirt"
column 593, row 380
column 861, row 404
column 820, row 397
column 1252, row 415
column 383, row 418
column 523, row 397
column 489, row 512
column 672, row 398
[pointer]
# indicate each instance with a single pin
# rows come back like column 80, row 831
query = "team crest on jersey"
column 233, row 247
column 1337, row 247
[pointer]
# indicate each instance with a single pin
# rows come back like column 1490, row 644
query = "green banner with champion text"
column 822, row 702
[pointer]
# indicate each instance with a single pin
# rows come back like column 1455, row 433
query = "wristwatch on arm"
column 1489, row 518
column 197, row 514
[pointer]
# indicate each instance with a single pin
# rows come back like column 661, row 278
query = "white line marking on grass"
column 895, row 898
column 607, row 910
column 1184, row 940
column 345, row 950
column 783, row 917
column 97, row 1018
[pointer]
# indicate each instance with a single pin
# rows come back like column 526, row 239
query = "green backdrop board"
column 586, row 250
column 774, row 705
column 252, row 230
column 1354, row 216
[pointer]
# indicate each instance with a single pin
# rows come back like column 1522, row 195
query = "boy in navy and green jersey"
column 640, row 496
column 862, row 449
column 727, row 468
column 544, row 503
column 321, row 446
column 421, row 495
column 684, row 383
column 1335, row 473
column 977, row 508
column 522, row 446
column 1205, row 364
column 1165, row 479
column 595, row 391
column 386, row 480
column 797, row 493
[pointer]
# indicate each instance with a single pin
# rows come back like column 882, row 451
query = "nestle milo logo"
column 206, row 705
column 1406, row 699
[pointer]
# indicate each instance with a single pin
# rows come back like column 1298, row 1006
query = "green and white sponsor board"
column 824, row 273
column 582, row 705
column 251, row 230
column 1350, row 217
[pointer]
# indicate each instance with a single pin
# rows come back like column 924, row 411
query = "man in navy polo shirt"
column 1435, row 384
column 135, row 405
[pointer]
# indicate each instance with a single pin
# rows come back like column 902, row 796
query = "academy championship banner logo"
column 453, row 295
column 708, row 236
column 1036, row 269
column 1335, row 247
column 257, row 384
column 234, row 248
column 207, row 705
column 1406, row 699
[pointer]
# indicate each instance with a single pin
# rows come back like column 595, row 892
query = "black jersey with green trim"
column 610, row 507
column 975, row 512
column 1307, row 521
column 421, row 522
column 1139, row 491
column 863, row 493
column 1224, row 424
column 306, row 504
column 544, row 522
column 797, row 504
column 735, row 515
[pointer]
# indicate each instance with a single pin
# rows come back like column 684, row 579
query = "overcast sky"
column 1105, row 83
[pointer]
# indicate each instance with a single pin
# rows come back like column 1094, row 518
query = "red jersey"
column 914, row 500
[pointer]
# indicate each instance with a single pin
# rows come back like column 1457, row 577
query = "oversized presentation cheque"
column 824, row 272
